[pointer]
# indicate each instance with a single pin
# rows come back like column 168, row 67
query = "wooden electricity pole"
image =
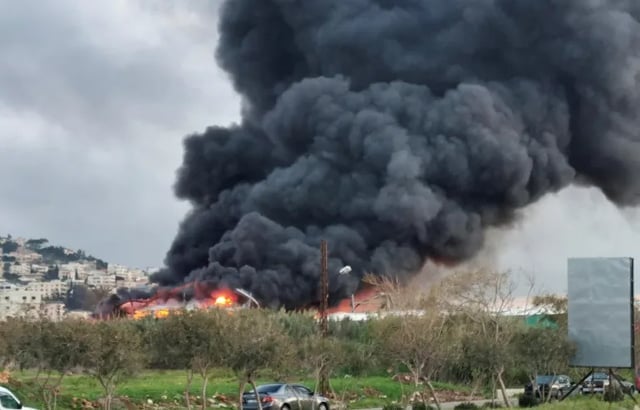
column 324, row 288
column 324, row 305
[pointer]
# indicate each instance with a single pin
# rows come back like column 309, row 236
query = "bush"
column 419, row 405
column 526, row 400
column 466, row 406
column 613, row 392
column 491, row 405
column 393, row 406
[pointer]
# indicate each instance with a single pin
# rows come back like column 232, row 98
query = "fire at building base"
column 160, row 303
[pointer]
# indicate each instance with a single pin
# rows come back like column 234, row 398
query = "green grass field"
column 165, row 388
column 590, row 403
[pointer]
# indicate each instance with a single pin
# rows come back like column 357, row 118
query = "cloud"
column 96, row 99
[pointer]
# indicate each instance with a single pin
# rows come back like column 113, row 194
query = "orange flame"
column 365, row 300
column 160, row 309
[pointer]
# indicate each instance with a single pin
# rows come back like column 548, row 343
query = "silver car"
column 282, row 396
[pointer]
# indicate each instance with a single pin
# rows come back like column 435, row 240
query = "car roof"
column 268, row 385
column 299, row 385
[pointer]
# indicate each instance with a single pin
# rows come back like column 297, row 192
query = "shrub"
column 527, row 400
column 419, row 405
column 613, row 392
column 393, row 406
column 466, row 406
column 491, row 405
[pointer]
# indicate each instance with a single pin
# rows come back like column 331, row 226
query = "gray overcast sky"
column 95, row 98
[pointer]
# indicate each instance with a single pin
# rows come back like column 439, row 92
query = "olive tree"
column 14, row 343
column 66, row 344
column 320, row 354
column 416, row 341
column 257, row 340
column 51, row 348
column 357, row 345
column 206, row 342
column 543, row 350
column 314, row 352
column 115, row 352
column 480, row 299
column 171, row 346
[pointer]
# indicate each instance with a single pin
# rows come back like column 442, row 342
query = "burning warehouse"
column 159, row 303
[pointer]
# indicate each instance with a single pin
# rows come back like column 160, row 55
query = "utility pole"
column 324, row 288
column 324, row 305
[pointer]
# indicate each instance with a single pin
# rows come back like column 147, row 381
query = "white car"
column 598, row 382
column 9, row 401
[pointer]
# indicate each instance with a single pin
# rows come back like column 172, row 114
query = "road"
column 511, row 393
column 451, row 404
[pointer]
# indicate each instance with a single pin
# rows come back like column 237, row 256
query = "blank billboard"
column 600, row 310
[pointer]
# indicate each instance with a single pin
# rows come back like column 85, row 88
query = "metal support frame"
column 619, row 380
column 575, row 386
column 612, row 375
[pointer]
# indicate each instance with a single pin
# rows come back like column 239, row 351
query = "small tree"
column 415, row 342
column 12, row 337
column 115, row 353
column 555, row 309
column 257, row 340
column 358, row 346
column 312, row 350
column 544, row 350
column 207, row 344
column 480, row 299
column 65, row 345
column 29, row 344
column 320, row 354
column 173, row 347
column 42, row 345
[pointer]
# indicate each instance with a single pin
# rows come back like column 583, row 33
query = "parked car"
column 554, row 385
column 628, row 387
column 8, row 400
column 283, row 396
column 597, row 382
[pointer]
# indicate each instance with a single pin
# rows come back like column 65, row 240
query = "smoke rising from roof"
column 399, row 130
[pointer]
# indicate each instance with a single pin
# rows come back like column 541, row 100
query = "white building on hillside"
column 69, row 270
column 21, row 269
column 18, row 301
column 49, row 289
column 101, row 281
column 53, row 311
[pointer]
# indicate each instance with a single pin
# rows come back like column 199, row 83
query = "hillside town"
column 40, row 279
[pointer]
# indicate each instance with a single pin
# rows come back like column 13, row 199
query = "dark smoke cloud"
column 399, row 130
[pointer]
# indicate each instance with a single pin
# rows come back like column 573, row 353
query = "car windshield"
column 544, row 379
column 267, row 388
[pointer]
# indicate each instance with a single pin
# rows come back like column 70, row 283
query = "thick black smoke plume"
column 399, row 130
